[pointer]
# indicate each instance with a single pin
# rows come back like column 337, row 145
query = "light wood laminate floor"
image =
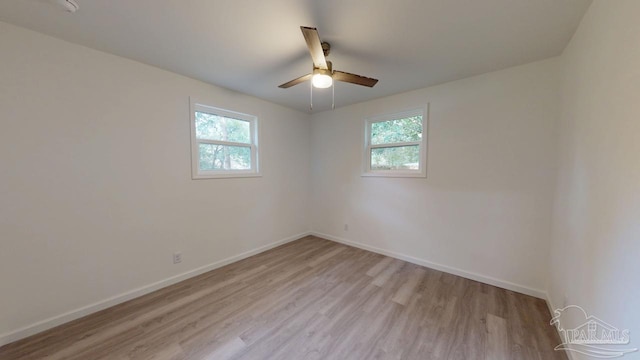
column 310, row 299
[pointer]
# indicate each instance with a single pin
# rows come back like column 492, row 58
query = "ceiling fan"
column 323, row 74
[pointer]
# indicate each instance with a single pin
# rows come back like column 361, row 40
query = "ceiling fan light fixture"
column 321, row 79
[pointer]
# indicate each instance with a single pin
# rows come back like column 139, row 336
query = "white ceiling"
column 252, row 46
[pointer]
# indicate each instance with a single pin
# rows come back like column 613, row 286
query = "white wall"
column 484, row 209
column 595, row 260
column 95, row 179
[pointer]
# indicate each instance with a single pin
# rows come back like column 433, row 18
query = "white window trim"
column 196, row 173
column 422, row 169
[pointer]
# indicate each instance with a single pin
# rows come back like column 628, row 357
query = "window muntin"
column 395, row 144
column 224, row 143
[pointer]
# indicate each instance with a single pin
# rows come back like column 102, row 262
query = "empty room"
column 303, row 179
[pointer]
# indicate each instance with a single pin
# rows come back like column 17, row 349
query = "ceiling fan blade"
column 297, row 81
column 315, row 46
column 354, row 79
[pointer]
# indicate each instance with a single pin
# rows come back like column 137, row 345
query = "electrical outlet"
column 177, row 257
column 346, row 227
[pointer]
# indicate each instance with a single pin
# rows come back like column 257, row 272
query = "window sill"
column 225, row 176
column 394, row 174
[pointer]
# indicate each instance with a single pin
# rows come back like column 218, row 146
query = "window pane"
column 396, row 158
column 395, row 131
column 221, row 157
column 214, row 127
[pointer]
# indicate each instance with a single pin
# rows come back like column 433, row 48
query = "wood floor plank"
column 379, row 266
column 227, row 350
column 387, row 272
column 407, row 289
column 327, row 256
column 497, row 344
column 309, row 299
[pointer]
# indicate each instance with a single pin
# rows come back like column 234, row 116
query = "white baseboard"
column 550, row 304
column 52, row 322
column 448, row 269
column 552, row 307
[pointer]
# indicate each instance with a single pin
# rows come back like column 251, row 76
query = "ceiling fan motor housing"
column 329, row 68
column 326, row 48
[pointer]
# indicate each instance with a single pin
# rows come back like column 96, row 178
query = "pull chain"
column 333, row 95
column 310, row 96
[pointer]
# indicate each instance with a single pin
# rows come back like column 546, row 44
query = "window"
column 396, row 144
column 223, row 143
